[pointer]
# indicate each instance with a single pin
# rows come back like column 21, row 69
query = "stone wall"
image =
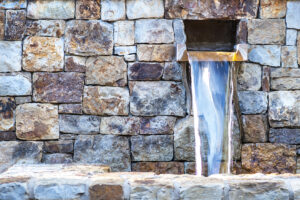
column 97, row 82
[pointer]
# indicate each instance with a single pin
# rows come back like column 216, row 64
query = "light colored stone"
column 124, row 33
column 112, row 10
column 37, row 121
column 293, row 14
column 70, row 108
column 285, row 79
column 120, row 125
column 105, row 100
column 249, row 76
column 10, row 56
column 14, row 191
column 57, row 158
column 272, row 8
column 53, row 9
column 255, row 128
column 88, row 9
column 180, row 37
column 22, row 100
column 145, row 9
column 154, row 31
column 43, row 54
column 145, row 71
column 291, row 37
column 46, row 28
column 172, row 71
column 157, row 98
column 12, row 4
column 266, row 31
column 157, row 125
column 298, row 47
column 265, row 55
column 124, row 50
column 15, row 84
column 289, row 57
column 7, row 113
column 75, row 64
column 15, row 24
column 253, row 102
column 129, row 58
column 106, row 70
column 158, row 53
column 79, row 124
column 89, row 38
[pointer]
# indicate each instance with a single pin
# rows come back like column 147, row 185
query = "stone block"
column 120, row 125
column 37, row 122
column 156, row 53
column 253, row 102
column 15, row 24
column 179, row 34
column 285, row 135
column 255, row 128
column 190, row 168
column 125, row 50
column 15, row 84
column 130, row 58
column 293, row 14
column 289, row 57
column 75, row 64
column 10, row 56
column 57, row 158
column 124, row 33
column 7, row 113
column 172, row 71
column 45, row 28
column 106, row 191
column 43, row 54
column 112, row 10
column 159, row 167
column 70, row 108
column 291, row 37
column 22, row 100
column 79, row 124
column 298, row 48
column 88, row 9
column 2, row 24
column 157, row 125
column 266, row 83
column 265, row 55
column 145, row 9
column 63, row 87
column 272, row 8
column 145, row 71
column 157, row 98
column 60, row 146
column 285, row 79
column 14, row 191
column 12, row 4
column 7, row 136
column 249, row 76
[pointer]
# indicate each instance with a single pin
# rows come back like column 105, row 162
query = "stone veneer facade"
column 98, row 82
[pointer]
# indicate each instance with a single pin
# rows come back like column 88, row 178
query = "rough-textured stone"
column 106, row 191
column 291, row 37
column 7, row 113
column 70, row 108
column 110, row 150
column 158, row 53
column 269, row 158
column 190, row 168
column 180, row 37
column 272, row 8
column 154, row 31
column 22, row 100
column 61, row 9
column 112, row 10
column 124, row 33
column 289, row 57
column 253, row 102
column 124, row 50
column 145, row 9
column 2, row 24
column 286, row 136
column 206, row 9
column 43, row 54
column 255, row 128
column 184, row 139
column 89, row 38
column 106, row 70
column 45, row 28
column 15, row 84
column 61, row 146
column 7, row 136
column 249, row 76
column 145, row 71
column 10, row 56
column 157, row 98
column 15, row 24
column 105, row 100
column 285, row 79
column 298, row 47
column 79, row 124
column 172, row 71
column 157, row 125
column 37, row 121
column 130, row 58
column 75, row 64
column 284, row 109
column 120, row 125
column 88, row 9
column 63, row 87
column 12, row 4
column 57, row 158
column 293, row 14
column 159, row 167
column 266, row 31
column 265, row 55
column 266, row 83
column 14, row 191
column 152, row 148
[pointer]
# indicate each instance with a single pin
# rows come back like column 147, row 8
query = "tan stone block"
column 88, row 9
column 272, row 8
column 159, row 53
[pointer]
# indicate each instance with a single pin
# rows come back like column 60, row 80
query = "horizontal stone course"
column 15, row 24
column 253, row 102
column 45, row 28
column 120, row 125
column 10, row 56
column 7, row 113
column 265, row 55
column 286, row 136
column 285, row 79
column 144, row 9
column 15, row 84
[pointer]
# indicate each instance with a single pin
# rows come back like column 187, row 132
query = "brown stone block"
column 255, row 128
column 7, row 113
column 272, row 8
column 88, row 9
column 15, row 25
column 159, row 167
column 156, row 53
column 7, row 136
column 105, row 191
column 61, row 146
column 2, row 24
column 145, row 71
column 75, row 64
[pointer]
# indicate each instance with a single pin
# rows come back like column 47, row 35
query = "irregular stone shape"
column 265, row 55
column 152, row 148
column 7, row 136
column 61, row 146
column 266, row 79
column 157, row 125
column 255, row 128
column 206, row 9
column 269, row 158
column 286, row 136
column 14, row 191
column 120, row 125
column 46, row 28
column 124, row 33
column 154, row 31
column 125, row 50
column 22, row 100
column 298, row 47
column 88, row 9
column 112, row 10
column 105, row 100
column 157, row 98
column 7, row 113
column 172, row 71
column 63, row 87
column 10, row 56
column 291, row 37
column 159, row 167
column 106, row 70
column 145, row 9
column 129, row 58
column 293, row 14
column 106, row 191
column 266, row 31
column 157, row 53
column 180, row 37
column 61, row 9
column 75, row 64
column 190, row 168
column 2, row 24
column 242, row 32
column 43, row 54
column 68, row 136
column 108, row 150
column 15, row 84
column 145, row 71
column 289, row 57
column 89, row 38
column 253, row 102
column 70, row 108
column 249, row 76
column 272, row 8
column 15, row 24
column 57, row 158
column 37, row 121
column 184, row 139
column 12, row 4
column 79, row 124
column 284, row 109
column 285, row 79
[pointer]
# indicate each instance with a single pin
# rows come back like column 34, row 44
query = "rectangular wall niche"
column 211, row 35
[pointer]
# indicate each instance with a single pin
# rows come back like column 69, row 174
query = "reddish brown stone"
column 15, row 24
column 2, row 23
column 242, row 32
column 145, row 71
column 159, row 167
column 103, row 192
column 70, row 108
column 64, row 87
column 62, row 146
column 255, row 128
column 272, row 8
column 75, row 64
column 7, row 136
column 266, row 79
column 7, row 111
column 88, row 9
column 190, row 168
